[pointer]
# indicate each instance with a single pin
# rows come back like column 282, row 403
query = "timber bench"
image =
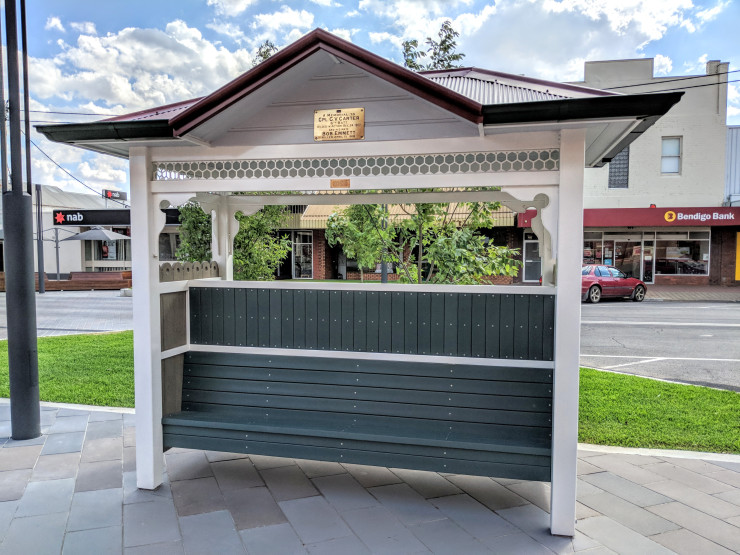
column 398, row 379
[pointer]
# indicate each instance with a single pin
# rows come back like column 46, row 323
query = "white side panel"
column 146, row 222
column 567, row 337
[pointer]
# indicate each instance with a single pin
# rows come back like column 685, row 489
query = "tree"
column 359, row 229
column 258, row 249
column 441, row 54
column 264, row 51
column 195, row 233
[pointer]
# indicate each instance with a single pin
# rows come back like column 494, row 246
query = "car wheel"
column 594, row 294
column 638, row 294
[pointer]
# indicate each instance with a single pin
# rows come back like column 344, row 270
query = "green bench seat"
column 438, row 416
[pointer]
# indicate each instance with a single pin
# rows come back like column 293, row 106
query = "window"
column 670, row 160
column 619, row 170
column 681, row 257
column 586, row 270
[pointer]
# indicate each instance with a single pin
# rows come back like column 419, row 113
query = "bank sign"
column 91, row 217
column 661, row 217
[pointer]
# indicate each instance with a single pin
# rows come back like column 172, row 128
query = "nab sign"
column 91, row 217
column 114, row 195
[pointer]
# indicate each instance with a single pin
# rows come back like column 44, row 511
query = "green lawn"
column 615, row 409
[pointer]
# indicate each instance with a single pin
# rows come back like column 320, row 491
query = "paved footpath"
column 73, row 491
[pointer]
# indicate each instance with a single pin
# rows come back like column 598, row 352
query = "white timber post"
column 224, row 229
column 147, row 221
column 567, row 333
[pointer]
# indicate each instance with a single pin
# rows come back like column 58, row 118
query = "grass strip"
column 629, row 411
column 90, row 369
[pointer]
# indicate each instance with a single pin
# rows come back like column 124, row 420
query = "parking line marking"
column 683, row 324
column 662, row 358
column 657, row 359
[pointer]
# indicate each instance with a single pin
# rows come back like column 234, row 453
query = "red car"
column 599, row 281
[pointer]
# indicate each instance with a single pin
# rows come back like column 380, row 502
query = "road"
column 697, row 343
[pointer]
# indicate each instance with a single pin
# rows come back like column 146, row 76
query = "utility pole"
column 25, row 410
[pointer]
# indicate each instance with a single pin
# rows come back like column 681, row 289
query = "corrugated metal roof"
column 732, row 179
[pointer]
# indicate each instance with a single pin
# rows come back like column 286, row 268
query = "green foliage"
column 195, row 233
column 359, row 229
column 441, row 53
column 258, row 250
column 618, row 409
column 264, row 51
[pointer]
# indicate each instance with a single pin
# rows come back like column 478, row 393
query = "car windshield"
column 585, row 270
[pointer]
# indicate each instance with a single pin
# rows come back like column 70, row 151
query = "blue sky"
column 117, row 56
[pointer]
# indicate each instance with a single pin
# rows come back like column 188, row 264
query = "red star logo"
column 110, row 194
column 59, row 217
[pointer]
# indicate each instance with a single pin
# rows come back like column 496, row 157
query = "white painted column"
column 567, row 333
column 146, row 223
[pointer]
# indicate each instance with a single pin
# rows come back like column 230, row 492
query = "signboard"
column 651, row 217
column 114, row 195
column 345, row 124
column 91, row 217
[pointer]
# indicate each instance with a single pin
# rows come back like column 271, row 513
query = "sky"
column 109, row 57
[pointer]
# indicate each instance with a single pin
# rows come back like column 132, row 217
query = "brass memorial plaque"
column 345, row 124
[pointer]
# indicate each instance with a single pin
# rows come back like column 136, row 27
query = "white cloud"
column 710, row 14
column 377, row 38
column 231, row 30
column 346, row 34
column 230, row 8
column 326, row 3
column 54, row 23
column 84, row 27
column 286, row 17
column 699, row 66
column 663, row 65
column 353, row 13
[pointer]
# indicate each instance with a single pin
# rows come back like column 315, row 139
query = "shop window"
column 670, row 160
column 619, row 169
column 675, row 257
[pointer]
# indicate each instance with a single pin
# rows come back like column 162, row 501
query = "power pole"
column 25, row 410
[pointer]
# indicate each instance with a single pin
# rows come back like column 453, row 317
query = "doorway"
column 532, row 259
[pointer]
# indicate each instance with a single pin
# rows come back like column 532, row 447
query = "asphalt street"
column 689, row 342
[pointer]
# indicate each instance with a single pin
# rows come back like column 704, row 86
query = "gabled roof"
column 470, row 94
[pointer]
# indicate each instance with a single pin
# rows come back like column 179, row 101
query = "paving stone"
column 55, row 467
column 7, row 511
column 63, row 443
column 169, row 548
column 12, row 443
column 315, row 469
column 43, row 498
column 288, row 482
column 372, row 476
column 4, row 412
column 689, row 478
column 685, row 542
column 339, row 546
column 13, row 484
column 427, row 484
column 129, row 459
column 132, row 494
column 314, row 520
column 474, row 518
column 37, row 535
column 217, row 456
column 99, row 475
column 407, row 505
column 19, row 457
column 263, row 463
column 129, row 420
column 96, row 509
column 129, row 437
column 520, row 543
column 735, row 521
column 104, row 416
column 584, row 467
column 726, row 476
column 200, row 495
column 624, row 512
column 586, row 453
column 102, row 541
column 382, row 532
column 104, row 429
column 269, row 540
column 535, row 522
column 710, row 504
column 236, row 474
column 582, row 511
column 735, row 466
column 537, row 493
column 492, row 494
column 150, row 523
column 641, row 496
column 619, row 538
column 73, row 413
column 695, row 465
column 253, row 507
column 210, row 533
column 187, row 465
column 621, row 467
column 444, row 536
column 584, row 488
column 637, row 460
column 343, row 492
column 69, row 424
column 702, row 524
column 104, row 449
column 731, row 496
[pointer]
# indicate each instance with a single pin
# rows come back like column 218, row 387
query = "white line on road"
column 584, row 355
column 683, row 324
column 631, row 363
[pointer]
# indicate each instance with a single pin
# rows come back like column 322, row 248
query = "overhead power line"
column 689, row 77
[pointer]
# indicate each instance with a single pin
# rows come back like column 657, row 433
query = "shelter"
column 525, row 142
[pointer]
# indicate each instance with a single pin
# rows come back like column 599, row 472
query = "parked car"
column 599, row 281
